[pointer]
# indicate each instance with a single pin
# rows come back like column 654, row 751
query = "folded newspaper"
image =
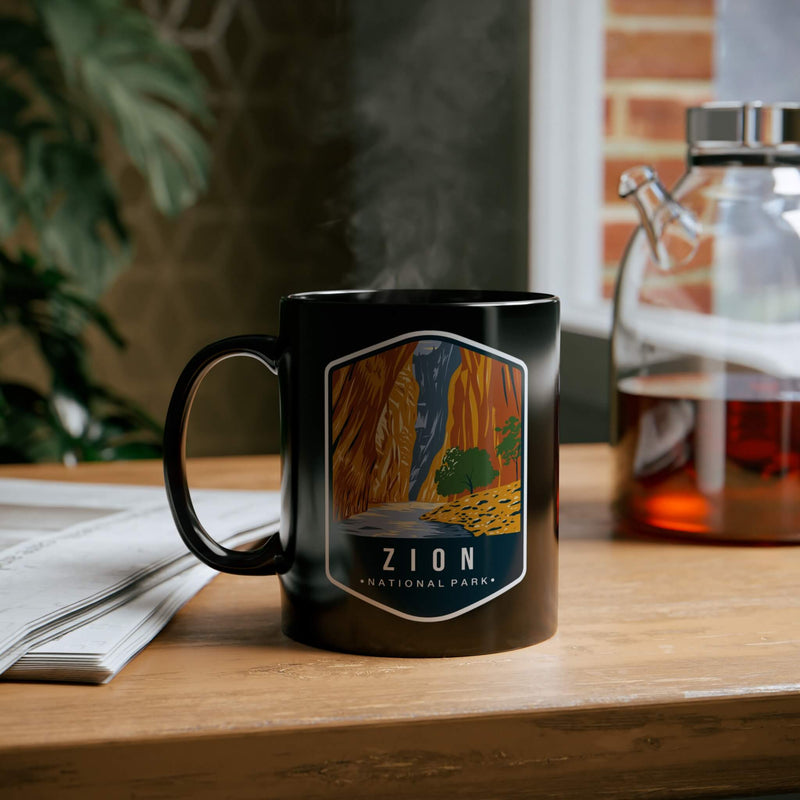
column 90, row 573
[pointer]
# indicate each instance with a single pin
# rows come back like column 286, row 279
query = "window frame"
column 566, row 163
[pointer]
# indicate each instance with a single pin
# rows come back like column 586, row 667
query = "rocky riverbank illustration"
column 425, row 441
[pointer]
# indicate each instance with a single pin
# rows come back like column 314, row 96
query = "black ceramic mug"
column 419, row 469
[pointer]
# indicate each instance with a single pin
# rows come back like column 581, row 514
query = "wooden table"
column 675, row 673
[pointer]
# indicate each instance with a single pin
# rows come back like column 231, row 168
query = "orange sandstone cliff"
column 373, row 407
column 374, row 410
column 484, row 393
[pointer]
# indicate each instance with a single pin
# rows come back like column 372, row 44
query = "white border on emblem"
column 406, row 337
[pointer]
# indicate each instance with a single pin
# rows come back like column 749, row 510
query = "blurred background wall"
column 356, row 143
column 271, row 224
column 377, row 143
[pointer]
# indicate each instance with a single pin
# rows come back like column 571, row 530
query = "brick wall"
column 659, row 61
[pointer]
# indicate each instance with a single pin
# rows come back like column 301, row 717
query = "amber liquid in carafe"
column 709, row 456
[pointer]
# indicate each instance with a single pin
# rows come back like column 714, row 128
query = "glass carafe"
column 706, row 339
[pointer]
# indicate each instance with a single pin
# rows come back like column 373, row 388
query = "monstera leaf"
column 72, row 203
column 112, row 54
column 87, row 60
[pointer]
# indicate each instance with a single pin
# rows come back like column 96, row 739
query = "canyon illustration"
column 426, row 440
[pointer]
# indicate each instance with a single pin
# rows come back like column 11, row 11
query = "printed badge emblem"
column 425, row 464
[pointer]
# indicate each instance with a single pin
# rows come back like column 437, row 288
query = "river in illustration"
column 401, row 520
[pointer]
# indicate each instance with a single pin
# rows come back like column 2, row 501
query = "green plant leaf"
column 21, row 40
column 12, row 104
column 71, row 26
column 146, row 84
column 28, row 48
column 43, row 303
column 28, row 429
column 93, row 313
column 10, row 206
column 73, row 206
column 168, row 150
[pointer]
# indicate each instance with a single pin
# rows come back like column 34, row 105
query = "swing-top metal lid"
column 737, row 126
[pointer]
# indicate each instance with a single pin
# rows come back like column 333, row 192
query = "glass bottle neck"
column 743, row 157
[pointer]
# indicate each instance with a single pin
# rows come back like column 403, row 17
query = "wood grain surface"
column 675, row 673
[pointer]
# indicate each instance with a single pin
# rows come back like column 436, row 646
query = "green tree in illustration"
column 464, row 469
column 510, row 444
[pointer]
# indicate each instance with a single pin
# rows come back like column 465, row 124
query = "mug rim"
column 424, row 297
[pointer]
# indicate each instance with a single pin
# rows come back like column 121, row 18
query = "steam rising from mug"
column 439, row 175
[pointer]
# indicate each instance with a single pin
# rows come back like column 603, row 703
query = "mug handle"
column 269, row 557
